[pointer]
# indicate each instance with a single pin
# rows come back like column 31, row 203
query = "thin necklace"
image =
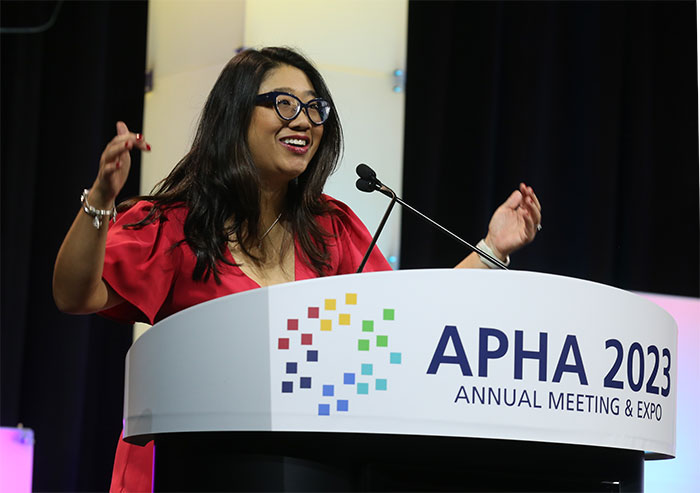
column 270, row 228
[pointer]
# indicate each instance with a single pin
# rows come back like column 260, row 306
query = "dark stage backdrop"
column 593, row 104
column 63, row 88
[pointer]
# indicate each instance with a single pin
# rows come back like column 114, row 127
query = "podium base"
column 300, row 461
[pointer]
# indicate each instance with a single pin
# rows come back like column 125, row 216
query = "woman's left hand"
column 515, row 223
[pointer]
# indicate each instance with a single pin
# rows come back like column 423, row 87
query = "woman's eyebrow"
column 292, row 91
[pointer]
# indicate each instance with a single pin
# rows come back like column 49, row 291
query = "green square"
column 388, row 314
column 382, row 341
column 363, row 388
column 363, row 345
column 380, row 384
column 368, row 326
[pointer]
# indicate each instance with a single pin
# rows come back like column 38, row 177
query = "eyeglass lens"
column 289, row 107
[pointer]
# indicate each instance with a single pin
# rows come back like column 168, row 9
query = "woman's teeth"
column 294, row 142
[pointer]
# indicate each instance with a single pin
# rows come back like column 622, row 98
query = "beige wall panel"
column 185, row 35
column 171, row 118
column 189, row 42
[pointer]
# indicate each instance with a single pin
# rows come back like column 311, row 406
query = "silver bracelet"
column 485, row 248
column 97, row 214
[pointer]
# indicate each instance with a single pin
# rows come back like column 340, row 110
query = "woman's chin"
column 293, row 170
column 283, row 176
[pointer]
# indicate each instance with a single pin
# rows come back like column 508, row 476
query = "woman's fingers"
column 116, row 160
column 114, row 149
column 534, row 210
column 514, row 200
column 122, row 144
column 535, row 199
column 529, row 192
column 529, row 219
column 122, row 129
column 135, row 141
column 532, row 203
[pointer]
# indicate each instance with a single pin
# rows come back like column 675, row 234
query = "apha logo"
column 336, row 325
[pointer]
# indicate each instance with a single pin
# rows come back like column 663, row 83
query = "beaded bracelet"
column 485, row 248
column 97, row 214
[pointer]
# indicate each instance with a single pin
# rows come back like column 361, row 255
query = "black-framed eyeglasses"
column 288, row 106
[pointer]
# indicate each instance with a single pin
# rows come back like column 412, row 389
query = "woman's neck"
column 272, row 200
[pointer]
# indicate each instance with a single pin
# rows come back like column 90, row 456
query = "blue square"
column 363, row 388
column 367, row 368
column 324, row 409
column 395, row 358
column 380, row 384
column 349, row 379
column 291, row 367
column 328, row 390
column 342, row 404
column 312, row 355
column 305, row 382
column 287, row 387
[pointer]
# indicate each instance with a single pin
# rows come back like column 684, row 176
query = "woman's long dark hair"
column 217, row 180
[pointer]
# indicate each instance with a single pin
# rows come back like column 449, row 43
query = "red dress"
column 156, row 281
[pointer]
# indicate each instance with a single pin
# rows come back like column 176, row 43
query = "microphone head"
column 365, row 172
column 365, row 185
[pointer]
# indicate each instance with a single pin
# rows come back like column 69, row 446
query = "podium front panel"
column 480, row 354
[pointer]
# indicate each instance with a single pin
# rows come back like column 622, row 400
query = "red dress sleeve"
column 351, row 241
column 141, row 265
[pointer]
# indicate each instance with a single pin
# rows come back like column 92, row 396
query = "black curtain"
column 69, row 71
column 594, row 104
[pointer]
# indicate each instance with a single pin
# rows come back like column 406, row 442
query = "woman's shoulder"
column 351, row 239
column 337, row 208
column 146, row 214
column 340, row 218
column 142, row 207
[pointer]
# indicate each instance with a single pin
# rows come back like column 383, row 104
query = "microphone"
column 364, row 185
column 365, row 172
column 368, row 182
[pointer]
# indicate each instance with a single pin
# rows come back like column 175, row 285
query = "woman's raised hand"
column 114, row 166
column 515, row 223
column 78, row 286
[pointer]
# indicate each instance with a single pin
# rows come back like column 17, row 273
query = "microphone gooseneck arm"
column 379, row 228
column 368, row 182
column 452, row 235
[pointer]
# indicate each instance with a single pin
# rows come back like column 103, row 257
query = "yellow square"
column 326, row 325
column 351, row 298
column 344, row 319
column 330, row 304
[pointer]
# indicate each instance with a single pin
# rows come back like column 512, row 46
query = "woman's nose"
column 301, row 121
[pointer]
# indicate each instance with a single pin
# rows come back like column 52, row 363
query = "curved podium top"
column 462, row 353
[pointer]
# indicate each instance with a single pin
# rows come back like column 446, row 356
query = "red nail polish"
column 148, row 147
column 138, row 136
column 118, row 165
column 126, row 144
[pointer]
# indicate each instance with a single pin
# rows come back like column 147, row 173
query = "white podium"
column 408, row 380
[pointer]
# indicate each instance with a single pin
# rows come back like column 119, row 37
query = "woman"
column 243, row 209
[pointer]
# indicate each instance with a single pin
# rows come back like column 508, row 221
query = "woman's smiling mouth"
column 296, row 144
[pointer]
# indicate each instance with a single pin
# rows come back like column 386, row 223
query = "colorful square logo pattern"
column 372, row 342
